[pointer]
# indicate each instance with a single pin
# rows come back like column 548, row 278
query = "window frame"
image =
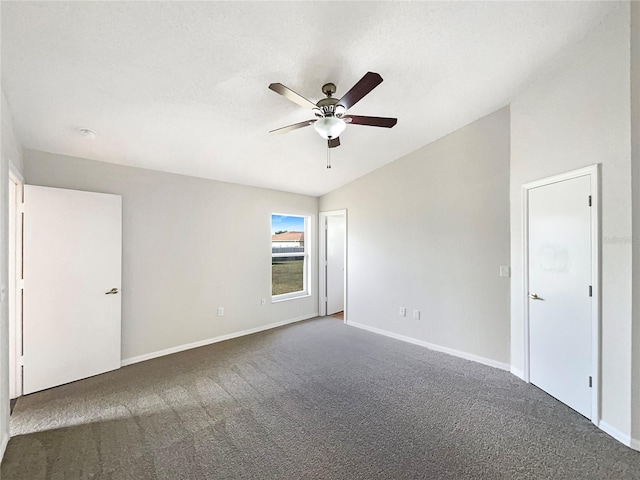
column 305, row 255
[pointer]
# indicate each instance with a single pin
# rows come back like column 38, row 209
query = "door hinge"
column 590, row 291
column 590, row 382
column 21, row 284
column 589, row 200
column 21, row 207
column 21, row 361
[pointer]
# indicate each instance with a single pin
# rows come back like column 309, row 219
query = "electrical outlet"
column 402, row 312
column 416, row 314
column 221, row 311
column 505, row 271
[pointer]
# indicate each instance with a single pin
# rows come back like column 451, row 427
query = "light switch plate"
column 505, row 271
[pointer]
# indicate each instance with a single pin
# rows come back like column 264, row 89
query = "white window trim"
column 306, row 256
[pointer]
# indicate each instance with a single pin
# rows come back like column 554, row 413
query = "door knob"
column 534, row 296
column 113, row 291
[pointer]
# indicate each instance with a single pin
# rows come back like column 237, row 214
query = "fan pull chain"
column 328, row 156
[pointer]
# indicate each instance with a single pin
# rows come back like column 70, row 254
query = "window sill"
column 288, row 296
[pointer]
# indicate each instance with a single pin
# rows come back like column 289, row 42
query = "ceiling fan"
column 330, row 119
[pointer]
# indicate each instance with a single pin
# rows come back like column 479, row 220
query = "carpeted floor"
column 313, row 400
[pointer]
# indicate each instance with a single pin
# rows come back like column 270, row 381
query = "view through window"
column 288, row 256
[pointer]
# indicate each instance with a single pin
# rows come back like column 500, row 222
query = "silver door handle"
column 113, row 291
column 534, row 296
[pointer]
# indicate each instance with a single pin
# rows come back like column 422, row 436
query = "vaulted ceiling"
column 182, row 86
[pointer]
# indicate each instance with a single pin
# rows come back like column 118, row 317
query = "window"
column 289, row 256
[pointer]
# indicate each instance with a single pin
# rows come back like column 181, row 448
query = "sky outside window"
column 286, row 222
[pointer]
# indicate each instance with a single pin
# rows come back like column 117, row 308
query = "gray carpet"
column 314, row 400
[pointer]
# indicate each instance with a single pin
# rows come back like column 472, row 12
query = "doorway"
column 333, row 264
column 561, row 280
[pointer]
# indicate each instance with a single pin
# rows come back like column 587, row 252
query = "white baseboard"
column 635, row 444
column 209, row 341
column 432, row 346
column 517, row 372
column 615, row 433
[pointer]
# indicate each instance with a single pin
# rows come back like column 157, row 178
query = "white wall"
column 11, row 152
column 429, row 232
column 635, row 169
column 189, row 246
column 576, row 114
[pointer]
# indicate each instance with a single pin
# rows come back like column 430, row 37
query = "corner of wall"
column 11, row 147
column 635, row 188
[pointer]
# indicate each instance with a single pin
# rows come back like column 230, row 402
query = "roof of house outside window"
column 288, row 237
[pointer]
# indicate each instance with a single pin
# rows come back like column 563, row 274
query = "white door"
column 72, row 258
column 336, row 234
column 559, row 291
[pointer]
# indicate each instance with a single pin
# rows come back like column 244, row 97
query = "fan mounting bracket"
column 329, row 89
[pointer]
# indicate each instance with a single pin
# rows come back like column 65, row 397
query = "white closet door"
column 72, row 258
column 559, row 300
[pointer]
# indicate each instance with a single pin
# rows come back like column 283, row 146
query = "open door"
column 72, row 274
column 334, row 255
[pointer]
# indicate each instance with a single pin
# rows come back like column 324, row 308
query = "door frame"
column 322, row 260
column 15, row 289
column 593, row 172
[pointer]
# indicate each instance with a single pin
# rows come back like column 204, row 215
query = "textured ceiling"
column 182, row 86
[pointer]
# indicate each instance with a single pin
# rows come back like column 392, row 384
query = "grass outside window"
column 287, row 275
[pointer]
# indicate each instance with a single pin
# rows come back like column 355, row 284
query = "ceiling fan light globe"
column 329, row 127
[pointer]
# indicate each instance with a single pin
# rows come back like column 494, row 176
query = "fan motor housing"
column 327, row 105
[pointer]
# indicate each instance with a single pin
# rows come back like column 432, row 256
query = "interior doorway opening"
column 333, row 264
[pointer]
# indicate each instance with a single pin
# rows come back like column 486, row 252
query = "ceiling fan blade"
column 367, row 83
column 295, row 126
column 372, row 121
column 291, row 95
column 333, row 142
